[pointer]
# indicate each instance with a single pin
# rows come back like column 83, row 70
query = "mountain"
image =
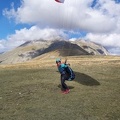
column 91, row 47
column 39, row 48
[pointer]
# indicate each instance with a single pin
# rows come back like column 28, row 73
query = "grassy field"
column 31, row 91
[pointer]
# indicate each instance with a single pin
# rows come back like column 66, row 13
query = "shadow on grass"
column 70, row 87
column 85, row 79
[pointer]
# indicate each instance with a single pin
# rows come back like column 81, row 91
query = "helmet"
column 58, row 60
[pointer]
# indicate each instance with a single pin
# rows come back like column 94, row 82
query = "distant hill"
column 1, row 52
column 37, row 48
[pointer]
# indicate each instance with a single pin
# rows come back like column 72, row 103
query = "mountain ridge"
column 32, row 49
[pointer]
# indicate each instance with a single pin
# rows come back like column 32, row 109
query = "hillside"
column 31, row 90
column 33, row 49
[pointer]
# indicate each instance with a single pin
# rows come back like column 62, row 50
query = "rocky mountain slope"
column 33, row 49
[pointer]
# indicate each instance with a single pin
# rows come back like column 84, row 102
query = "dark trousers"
column 63, row 84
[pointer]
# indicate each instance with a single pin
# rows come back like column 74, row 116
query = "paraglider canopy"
column 60, row 1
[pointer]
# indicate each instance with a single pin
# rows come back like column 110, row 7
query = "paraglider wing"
column 60, row 1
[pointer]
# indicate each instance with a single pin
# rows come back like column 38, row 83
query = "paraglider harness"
column 70, row 73
column 65, row 69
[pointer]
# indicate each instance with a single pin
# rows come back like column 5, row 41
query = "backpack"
column 70, row 72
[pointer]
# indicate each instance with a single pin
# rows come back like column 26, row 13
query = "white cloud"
column 75, row 14
column 34, row 33
column 110, row 41
column 1, row 46
column 114, row 50
column 101, row 22
column 105, row 39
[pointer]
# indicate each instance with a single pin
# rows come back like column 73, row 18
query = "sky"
column 91, row 20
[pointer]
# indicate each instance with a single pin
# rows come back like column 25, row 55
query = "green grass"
column 34, row 94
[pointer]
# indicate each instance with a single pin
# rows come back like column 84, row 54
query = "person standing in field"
column 66, row 74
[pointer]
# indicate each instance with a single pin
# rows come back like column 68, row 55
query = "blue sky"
column 94, row 20
column 8, row 26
